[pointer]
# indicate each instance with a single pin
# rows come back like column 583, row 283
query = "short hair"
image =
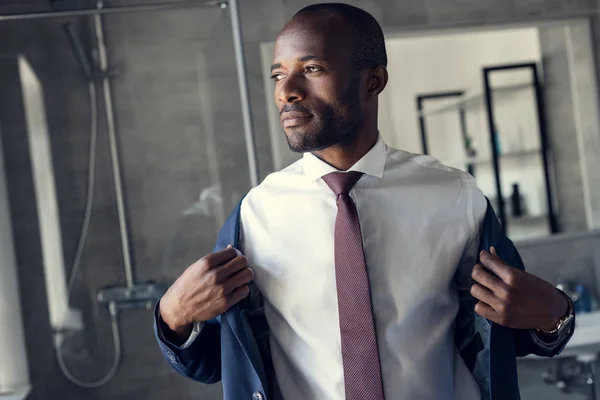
column 368, row 41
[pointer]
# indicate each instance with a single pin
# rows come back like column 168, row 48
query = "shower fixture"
column 114, row 297
column 95, row 71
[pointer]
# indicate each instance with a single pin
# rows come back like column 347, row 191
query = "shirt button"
column 172, row 358
column 258, row 396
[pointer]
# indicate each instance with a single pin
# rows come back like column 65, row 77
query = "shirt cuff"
column 195, row 332
column 548, row 340
column 551, row 341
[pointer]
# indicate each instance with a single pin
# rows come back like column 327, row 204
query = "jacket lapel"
column 494, row 363
column 500, row 344
column 237, row 317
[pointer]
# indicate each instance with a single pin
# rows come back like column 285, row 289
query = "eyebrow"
column 301, row 59
column 308, row 58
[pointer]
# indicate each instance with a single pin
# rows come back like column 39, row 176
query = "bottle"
column 584, row 303
column 516, row 201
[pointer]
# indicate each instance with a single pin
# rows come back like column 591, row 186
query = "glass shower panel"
column 179, row 127
column 180, row 130
column 183, row 163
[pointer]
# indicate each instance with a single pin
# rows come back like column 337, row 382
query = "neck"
column 344, row 157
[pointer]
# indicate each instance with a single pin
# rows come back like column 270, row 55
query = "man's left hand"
column 511, row 297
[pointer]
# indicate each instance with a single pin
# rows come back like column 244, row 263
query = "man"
column 356, row 281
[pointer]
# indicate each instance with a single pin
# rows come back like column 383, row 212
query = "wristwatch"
column 564, row 323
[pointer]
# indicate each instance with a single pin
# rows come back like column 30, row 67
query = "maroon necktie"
column 360, row 355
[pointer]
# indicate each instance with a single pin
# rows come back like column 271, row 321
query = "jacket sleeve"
column 526, row 340
column 201, row 360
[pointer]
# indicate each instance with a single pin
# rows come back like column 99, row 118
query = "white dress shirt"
column 420, row 223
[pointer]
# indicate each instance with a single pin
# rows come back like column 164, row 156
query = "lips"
column 294, row 118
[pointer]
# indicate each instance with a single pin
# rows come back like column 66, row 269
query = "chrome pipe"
column 244, row 97
column 113, row 10
column 112, row 141
column 78, row 51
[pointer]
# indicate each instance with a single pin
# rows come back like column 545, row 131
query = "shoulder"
column 284, row 181
column 285, row 177
column 420, row 165
column 449, row 185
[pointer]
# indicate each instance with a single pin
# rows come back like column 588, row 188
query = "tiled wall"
column 565, row 257
column 560, row 118
column 571, row 257
column 180, row 131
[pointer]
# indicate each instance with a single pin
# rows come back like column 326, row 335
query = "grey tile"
column 567, row 259
column 401, row 15
column 581, row 6
column 255, row 27
column 459, row 12
column 163, row 147
column 183, row 26
column 164, row 166
column 539, row 8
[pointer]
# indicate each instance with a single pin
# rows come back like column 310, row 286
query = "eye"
column 277, row 77
column 311, row 69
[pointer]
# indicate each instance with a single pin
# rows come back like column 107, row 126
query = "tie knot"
column 342, row 182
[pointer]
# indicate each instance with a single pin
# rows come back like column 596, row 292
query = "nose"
column 290, row 90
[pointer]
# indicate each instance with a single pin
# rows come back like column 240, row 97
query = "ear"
column 377, row 80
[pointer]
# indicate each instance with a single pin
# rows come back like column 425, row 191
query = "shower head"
column 78, row 50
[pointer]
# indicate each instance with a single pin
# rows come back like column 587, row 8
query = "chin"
column 296, row 138
column 300, row 142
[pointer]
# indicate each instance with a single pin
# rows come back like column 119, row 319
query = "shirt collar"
column 372, row 163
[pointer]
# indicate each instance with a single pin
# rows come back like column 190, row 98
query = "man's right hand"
column 206, row 289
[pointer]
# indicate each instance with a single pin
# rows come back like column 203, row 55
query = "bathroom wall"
column 180, row 132
column 174, row 154
column 574, row 258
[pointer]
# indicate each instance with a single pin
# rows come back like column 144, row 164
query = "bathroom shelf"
column 474, row 99
column 526, row 158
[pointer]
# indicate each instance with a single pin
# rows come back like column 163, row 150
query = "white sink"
column 586, row 339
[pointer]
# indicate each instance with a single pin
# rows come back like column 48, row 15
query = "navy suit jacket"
column 234, row 347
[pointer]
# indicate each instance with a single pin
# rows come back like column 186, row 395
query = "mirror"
column 511, row 105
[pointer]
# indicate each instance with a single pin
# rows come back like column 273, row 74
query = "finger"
column 485, row 278
column 221, row 257
column 486, row 311
column 231, row 268
column 496, row 265
column 485, row 295
column 238, row 280
column 493, row 251
column 237, row 295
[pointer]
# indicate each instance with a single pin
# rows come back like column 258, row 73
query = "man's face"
column 316, row 85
